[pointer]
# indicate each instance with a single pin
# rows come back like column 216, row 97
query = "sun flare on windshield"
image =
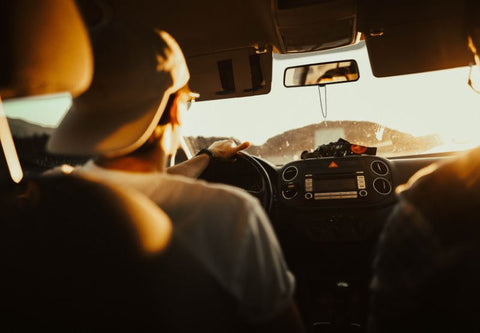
column 437, row 107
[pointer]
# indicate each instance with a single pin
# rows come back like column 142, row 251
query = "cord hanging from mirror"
column 470, row 82
column 322, row 106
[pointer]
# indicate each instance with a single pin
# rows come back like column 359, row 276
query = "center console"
column 336, row 181
column 330, row 213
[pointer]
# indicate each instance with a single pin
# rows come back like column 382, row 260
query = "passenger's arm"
column 401, row 294
column 224, row 149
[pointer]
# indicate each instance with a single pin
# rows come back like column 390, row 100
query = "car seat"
column 77, row 254
column 73, row 251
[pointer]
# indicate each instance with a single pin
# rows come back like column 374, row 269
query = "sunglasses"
column 189, row 98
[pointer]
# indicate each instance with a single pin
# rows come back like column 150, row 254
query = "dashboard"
column 328, row 214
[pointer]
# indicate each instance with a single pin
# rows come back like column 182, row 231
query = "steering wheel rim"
column 264, row 194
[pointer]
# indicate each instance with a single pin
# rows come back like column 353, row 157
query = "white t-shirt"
column 225, row 228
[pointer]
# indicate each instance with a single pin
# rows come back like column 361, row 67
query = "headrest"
column 45, row 48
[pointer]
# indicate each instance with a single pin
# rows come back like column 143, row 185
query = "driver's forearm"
column 192, row 167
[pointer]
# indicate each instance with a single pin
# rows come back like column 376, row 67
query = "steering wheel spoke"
column 227, row 172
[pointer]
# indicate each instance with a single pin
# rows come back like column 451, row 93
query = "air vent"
column 289, row 194
column 290, row 173
column 382, row 186
column 379, row 167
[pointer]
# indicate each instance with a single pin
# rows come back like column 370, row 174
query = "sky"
column 435, row 102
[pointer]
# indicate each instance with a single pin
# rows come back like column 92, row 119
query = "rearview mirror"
column 321, row 74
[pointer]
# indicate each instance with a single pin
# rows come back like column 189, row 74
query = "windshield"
column 402, row 115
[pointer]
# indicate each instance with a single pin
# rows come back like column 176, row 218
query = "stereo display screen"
column 334, row 185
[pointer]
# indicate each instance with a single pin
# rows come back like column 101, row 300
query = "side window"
column 32, row 120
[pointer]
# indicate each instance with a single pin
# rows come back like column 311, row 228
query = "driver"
column 130, row 120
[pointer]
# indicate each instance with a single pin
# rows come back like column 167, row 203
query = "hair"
column 166, row 117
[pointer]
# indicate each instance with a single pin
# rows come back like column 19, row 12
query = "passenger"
column 427, row 269
column 427, row 266
column 130, row 119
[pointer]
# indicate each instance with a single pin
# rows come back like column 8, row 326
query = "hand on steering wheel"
column 226, row 149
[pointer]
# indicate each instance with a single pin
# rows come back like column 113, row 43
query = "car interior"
column 328, row 185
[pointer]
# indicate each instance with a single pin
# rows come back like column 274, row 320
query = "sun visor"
column 412, row 37
column 234, row 73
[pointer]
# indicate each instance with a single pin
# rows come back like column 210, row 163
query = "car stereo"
column 324, row 181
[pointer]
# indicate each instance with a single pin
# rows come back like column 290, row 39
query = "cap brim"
column 105, row 133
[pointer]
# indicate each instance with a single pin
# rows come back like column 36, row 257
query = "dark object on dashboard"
column 339, row 148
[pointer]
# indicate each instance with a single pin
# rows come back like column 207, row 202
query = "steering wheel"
column 231, row 172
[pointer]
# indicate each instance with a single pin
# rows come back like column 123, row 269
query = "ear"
column 175, row 112
column 167, row 139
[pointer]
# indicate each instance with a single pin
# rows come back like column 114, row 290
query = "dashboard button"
column 361, row 182
column 308, row 196
column 363, row 193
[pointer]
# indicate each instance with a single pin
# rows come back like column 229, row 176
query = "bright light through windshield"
column 401, row 115
column 438, row 103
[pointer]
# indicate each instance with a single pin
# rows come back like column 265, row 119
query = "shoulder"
column 219, row 209
column 427, row 244
column 447, row 197
column 458, row 175
column 216, row 193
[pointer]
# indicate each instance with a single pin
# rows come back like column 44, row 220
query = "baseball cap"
column 136, row 70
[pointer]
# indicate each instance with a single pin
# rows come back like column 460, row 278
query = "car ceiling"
column 228, row 44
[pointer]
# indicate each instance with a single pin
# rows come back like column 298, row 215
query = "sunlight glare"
column 439, row 102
